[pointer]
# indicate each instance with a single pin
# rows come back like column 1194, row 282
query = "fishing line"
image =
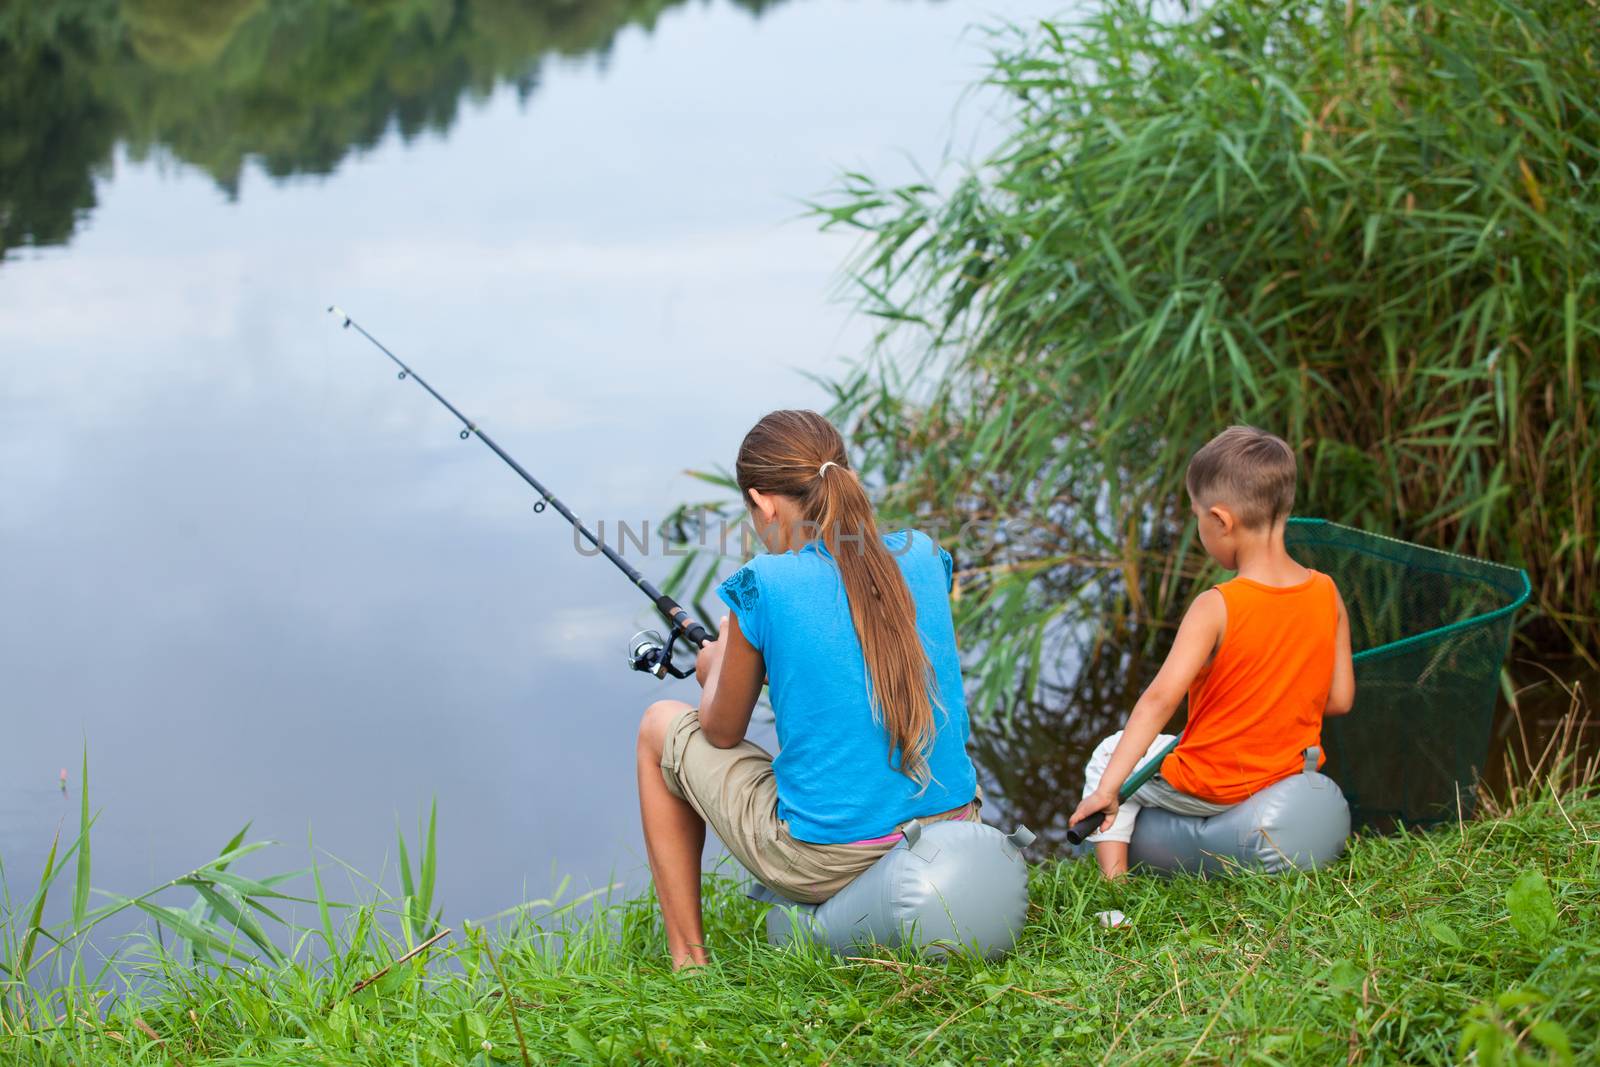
column 647, row 651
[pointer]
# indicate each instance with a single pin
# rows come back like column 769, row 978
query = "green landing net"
column 1429, row 631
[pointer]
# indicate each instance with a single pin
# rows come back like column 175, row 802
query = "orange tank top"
column 1257, row 706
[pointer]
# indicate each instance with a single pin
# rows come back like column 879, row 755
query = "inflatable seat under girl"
column 948, row 887
column 1299, row 823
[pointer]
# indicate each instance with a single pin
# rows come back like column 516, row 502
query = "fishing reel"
column 651, row 653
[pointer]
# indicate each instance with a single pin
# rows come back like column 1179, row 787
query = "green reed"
column 40, row 956
column 1373, row 228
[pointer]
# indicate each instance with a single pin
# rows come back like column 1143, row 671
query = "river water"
column 259, row 578
column 263, row 581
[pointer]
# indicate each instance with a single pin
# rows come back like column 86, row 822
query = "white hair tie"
column 822, row 470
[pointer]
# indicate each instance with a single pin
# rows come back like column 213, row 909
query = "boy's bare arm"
column 1197, row 638
column 1342, row 693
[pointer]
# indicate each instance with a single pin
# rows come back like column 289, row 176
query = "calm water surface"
column 259, row 578
column 262, row 580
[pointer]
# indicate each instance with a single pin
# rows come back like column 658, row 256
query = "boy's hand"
column 1096, row 801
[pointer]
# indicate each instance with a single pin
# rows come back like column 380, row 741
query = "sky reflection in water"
column 266, row 582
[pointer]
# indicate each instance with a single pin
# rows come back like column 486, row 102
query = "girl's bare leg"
column 674, row 839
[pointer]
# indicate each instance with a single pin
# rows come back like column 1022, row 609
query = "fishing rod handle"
column 1079, row 831
column 692, row 632
column 681, row 621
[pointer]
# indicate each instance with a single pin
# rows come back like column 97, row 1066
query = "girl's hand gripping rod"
column 647, row 651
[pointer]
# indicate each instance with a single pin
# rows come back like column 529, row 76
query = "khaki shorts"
column 736, row 793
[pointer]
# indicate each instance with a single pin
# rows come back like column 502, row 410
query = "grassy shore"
column 1478, row 939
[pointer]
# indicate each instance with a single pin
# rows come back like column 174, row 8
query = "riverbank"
column 1415, row 947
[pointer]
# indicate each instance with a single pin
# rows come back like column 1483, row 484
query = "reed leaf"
column 30, row 937
column 417, row 888
column 80, row 888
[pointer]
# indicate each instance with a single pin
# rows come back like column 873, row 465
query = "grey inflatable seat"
column 948, row 887
column 1299, row 823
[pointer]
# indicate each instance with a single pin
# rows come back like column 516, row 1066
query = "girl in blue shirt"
column 851, row 632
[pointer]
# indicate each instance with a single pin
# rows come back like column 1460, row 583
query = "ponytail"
column 799, row 454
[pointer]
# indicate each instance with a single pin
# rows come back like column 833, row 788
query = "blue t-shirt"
column 836, row 781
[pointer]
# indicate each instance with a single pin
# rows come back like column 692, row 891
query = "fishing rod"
column 647, row 650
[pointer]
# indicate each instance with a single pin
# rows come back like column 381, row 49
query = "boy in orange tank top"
column 1262, row 658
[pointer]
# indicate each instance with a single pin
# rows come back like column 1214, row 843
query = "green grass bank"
column 1477, row 939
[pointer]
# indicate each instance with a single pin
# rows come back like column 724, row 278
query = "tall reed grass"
column 1371, row 227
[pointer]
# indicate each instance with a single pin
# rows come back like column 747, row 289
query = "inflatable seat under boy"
column 1298, row 823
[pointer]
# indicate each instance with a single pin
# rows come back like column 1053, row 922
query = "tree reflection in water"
column 295, row 85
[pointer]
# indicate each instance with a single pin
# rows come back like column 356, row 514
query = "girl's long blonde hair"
column 785, row 454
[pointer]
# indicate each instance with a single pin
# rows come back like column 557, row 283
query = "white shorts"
column 1155, row 793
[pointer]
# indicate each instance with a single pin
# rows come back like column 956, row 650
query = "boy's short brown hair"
column 1248, row 471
